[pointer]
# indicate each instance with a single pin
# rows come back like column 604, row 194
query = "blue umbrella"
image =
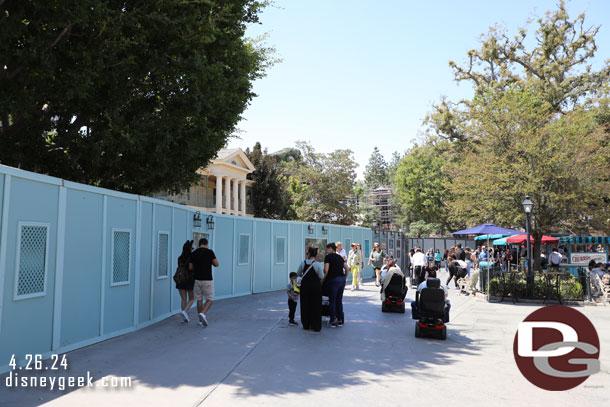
column 487, row 229
column 492, row 237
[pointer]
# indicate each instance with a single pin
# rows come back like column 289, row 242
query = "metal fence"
column 513, row 283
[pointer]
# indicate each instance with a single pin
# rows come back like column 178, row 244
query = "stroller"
column 431, row 303
column 325, row 306
column 393, row 294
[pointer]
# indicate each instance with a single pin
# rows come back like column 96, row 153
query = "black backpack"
column 182, row 275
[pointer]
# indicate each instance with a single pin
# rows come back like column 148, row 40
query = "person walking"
column 201, row 263
column 341, row 250
column 335, row 273
column 430, row 256
column 311, row 274
column 354, row 260
column 377, row 256
column 438, row 257
column 185, row 288
column 361, row 264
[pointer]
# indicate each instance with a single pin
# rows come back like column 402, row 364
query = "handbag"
column 182, row 275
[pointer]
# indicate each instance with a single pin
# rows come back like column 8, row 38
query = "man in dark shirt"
column 459, row 254
column 201, row 263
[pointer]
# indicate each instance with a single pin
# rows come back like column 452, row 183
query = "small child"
column 293, row 297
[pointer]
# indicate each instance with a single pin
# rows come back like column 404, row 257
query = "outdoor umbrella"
column 487, row 229
column 492, row 237
column 521, row 239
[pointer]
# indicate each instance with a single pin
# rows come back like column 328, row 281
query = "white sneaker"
column 353, row 288
column 203, row 319
column 185, row 316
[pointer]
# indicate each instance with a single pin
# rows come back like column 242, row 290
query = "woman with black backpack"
column 310, row 275
column 185, row 280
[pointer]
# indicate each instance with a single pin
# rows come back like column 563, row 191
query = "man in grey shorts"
column 201, row 263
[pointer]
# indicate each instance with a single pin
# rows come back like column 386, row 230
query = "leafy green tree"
column 376, row 171
column 323, row 184
column 421, row 186
column 421, row 229
column 535, row 125
column 134, row 96
column 269, row 195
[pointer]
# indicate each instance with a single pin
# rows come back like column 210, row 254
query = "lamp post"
column 528, row 207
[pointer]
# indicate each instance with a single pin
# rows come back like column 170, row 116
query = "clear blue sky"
column 357, row 74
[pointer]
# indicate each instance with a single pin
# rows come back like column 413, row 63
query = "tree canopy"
column 134, row 96
column 268, row 193
column 376, row 171
column 322, row 184
column 537, row 124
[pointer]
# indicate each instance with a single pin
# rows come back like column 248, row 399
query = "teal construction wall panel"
column 242, row 281
column 262, row 257
column 225, row 252
column 119, row 299
column 27, row 324
column 82, row 267
column 145, row 262
column 161, row 285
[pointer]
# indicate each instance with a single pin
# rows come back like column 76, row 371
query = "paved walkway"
column 250, row 356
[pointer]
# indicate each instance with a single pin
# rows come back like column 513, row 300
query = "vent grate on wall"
column 32, row 260
column 121, row 256
column 163, row 254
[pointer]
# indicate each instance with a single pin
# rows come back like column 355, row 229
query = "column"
column 218, row 194
column 243, row 198
column 235, row 198
column 228, row 195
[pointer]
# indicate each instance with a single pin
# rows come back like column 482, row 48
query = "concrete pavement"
column 249, row 355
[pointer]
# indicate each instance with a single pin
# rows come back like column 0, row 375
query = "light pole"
column 528, row 207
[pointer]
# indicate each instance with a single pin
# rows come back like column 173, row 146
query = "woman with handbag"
column 185, row 280
column 310, row 275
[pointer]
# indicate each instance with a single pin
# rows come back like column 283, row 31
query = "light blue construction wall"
column 80, row 303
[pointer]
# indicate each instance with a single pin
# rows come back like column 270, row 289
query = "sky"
column 358, row 74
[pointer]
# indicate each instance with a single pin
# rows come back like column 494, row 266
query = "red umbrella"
column 521, row 239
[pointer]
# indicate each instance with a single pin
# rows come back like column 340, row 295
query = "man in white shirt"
column 555, row 259
column 419, row 262
column 341, row 251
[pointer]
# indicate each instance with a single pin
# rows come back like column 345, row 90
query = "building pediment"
column 235, row 158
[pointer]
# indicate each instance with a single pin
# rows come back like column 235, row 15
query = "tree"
column 376, row 171
column 535, row 125
column 269, row 195
column 421, row 229
column 323, row 184
column 421, row 186
column 134, row 96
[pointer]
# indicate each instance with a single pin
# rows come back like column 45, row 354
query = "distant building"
column 223, row 187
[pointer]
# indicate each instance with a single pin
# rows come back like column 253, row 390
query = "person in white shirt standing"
column 419, row 262
column 341, row 251
column 555, row 259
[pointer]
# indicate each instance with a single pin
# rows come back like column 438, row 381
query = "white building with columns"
column 223, row 186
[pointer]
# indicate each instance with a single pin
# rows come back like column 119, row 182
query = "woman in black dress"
column 186, row 288
column 311, row 273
